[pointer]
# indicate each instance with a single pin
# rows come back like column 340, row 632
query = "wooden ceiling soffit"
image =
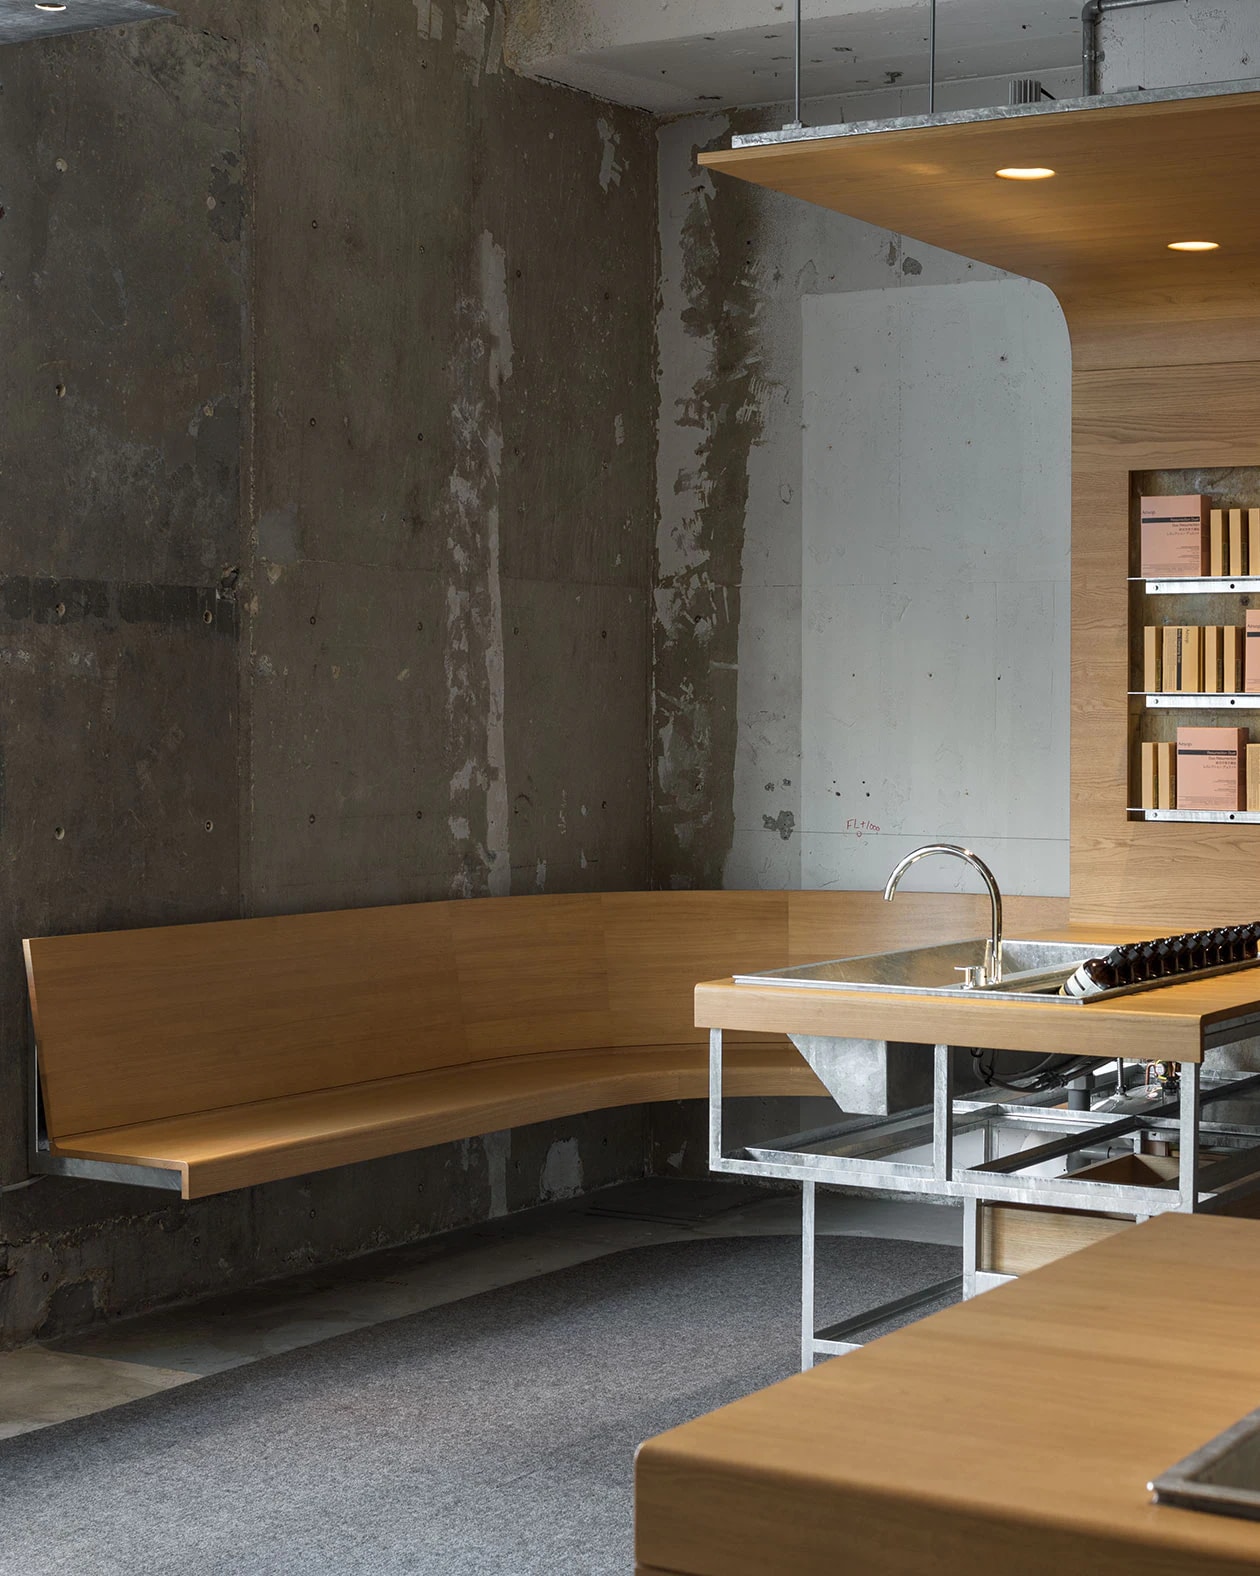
column 1131, row 177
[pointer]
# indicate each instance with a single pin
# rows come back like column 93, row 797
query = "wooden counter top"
column 1012, row 1434
column 1165, row 1024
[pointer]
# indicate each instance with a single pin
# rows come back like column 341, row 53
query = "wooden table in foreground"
column 1013, row 1435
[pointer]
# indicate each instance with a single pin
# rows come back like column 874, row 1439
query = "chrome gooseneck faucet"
column 992, row 974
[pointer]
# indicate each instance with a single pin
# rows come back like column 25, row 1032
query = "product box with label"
column 1165, row 776
column 1231, row 660
column 1176, row 537
column 1218, row 555
column 1150, row 781
column 1213, row 666
column 1152, row 658
column 1253, row 777
column 1181, row 659
column 1211, row 768
column 1237, row 543
column 1251, row 653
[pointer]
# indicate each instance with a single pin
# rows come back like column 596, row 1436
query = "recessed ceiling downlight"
column 1014, row 172
column 48, row 5
column 1194, row 246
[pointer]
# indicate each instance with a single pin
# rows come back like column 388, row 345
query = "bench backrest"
column 137, row 1025
column 141, row 1024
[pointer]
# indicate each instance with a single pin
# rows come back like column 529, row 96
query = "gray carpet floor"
column 492, row 1436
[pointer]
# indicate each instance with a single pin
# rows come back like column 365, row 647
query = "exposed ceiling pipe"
column 1091, row 18
column 795, row 123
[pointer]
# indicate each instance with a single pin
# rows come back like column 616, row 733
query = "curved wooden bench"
column 215, row 1056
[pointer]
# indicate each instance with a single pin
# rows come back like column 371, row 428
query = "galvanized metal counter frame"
column 855, row 1153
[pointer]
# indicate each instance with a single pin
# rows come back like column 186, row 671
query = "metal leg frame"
column 837, row 1339
column 807, row 1275
column 859, row 1155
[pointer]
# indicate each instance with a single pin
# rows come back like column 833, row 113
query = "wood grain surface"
column 824, row 925
column 247, row 1050
column 138, row 1025
column 1130, row 179
column 1013, row 1433
column 268, row 1139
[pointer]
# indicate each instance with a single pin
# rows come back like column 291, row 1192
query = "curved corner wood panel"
column 1166, row 375
column 137, row 1026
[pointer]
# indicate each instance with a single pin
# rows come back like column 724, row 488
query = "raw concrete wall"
column 736, row 265
column 1179, row 42
column 327, row 448
column 935, row 612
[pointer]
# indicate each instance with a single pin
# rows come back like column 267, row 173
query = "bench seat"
column 216, row 1056
column 236, row 1146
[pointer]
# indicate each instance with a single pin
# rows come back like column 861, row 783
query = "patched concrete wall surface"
column 736, row 265
column 935, row 626
column 327, row 433
column 1179, row 42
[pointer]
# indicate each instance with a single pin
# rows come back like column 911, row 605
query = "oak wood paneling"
column 1125, row 420
column 824, row 925
column 138, row 1024
column 656, row 946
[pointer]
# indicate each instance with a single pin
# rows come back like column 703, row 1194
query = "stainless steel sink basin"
column 1031, row 970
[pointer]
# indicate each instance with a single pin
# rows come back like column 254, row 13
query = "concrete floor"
column 120, row 1362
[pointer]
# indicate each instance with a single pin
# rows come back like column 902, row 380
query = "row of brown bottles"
column 1165, row 958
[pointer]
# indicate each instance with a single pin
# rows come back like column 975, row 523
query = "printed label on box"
column 1211, row 768
column 1176, row 537
column 1251, row 653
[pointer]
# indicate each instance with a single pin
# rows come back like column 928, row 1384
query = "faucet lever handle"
column 972, row 976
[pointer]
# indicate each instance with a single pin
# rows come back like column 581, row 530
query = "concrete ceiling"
column 698, row 54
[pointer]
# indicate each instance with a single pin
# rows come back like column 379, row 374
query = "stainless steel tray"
column 1222, row 1476
column 1033, row 971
